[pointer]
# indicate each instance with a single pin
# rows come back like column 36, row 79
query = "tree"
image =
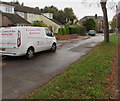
column 16, row 2
column 37, row 8
column 90, row 24
column 69, row 14
column 113, row 23
column 62, row 16
column 106, row 25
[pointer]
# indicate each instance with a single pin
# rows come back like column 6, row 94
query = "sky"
column 80, row 8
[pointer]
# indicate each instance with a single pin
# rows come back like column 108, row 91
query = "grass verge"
column 86, row 79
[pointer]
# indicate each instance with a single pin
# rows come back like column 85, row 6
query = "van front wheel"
column 53, row 48
column 30, row 53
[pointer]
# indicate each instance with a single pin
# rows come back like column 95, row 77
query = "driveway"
column 21, row 76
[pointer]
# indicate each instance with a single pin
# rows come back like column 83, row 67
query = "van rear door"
column 9, row 38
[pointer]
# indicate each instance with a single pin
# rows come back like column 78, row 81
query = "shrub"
column 63, row 31
column 72, row 30
column 77, row 30
column 81, row 30
column 39, row 24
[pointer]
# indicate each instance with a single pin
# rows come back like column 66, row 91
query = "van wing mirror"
column 52, row 34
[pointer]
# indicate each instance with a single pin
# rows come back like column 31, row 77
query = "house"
column 118, row 15
column 98, row 19
column 29, row 15
column 48, row 15
column 8, row 17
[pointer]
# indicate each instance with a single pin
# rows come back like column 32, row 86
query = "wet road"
column 21, row 76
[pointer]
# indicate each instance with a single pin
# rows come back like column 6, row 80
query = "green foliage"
column 86, row 79
column 60, row 15
column 77, row 30
column 72, row 30
column 81, row 30
column 17, row 2
column 90, row 24
column 69, row 14
column 63, row 31
column 39, row 24
column 113, row 24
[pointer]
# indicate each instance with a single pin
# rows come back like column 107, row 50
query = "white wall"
column 33, row 17
column 21, row 14
column 48, row 22
column 6, row 8
column 49, row 15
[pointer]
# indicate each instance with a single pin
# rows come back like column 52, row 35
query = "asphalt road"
column 21, row 76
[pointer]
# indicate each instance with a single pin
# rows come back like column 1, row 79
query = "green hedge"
column 63, row 31
column 72, row 30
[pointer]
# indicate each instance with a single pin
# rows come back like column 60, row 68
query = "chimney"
column 95, row 16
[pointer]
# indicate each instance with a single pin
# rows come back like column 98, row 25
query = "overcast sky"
column 80, row 8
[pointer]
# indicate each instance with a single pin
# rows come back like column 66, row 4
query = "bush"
column 72, row 30
column 77, row 30
column 63, row 31
column 82, row 30
column 39, row 24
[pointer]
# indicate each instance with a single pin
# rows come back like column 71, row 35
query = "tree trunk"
column 118, row 23
column 106, row 25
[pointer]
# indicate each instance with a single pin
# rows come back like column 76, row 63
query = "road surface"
column 21, row 76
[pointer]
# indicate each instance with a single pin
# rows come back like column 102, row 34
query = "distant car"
column 92, row 32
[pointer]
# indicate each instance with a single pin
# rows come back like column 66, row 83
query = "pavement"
column 21, row 76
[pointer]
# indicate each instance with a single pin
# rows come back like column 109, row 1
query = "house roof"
column 1, row 2
column 85, row 17
column 55, row 21
column 25, row 9
column 16, row 19
column 21, row 8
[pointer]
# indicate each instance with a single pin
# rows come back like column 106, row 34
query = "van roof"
column 23, row 27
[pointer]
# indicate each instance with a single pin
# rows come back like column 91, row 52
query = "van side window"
column 48, row 33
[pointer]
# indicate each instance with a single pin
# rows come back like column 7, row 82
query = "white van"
column 18, row 41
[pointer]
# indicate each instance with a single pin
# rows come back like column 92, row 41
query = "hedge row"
column 72, row 30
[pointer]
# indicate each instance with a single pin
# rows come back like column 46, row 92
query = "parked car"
column 18, row 41
column 92, row 32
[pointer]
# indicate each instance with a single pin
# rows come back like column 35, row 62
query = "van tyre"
column 30, row 53
column 53, row 48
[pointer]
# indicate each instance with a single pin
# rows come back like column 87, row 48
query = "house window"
column 31, row 15
column 8, row 9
